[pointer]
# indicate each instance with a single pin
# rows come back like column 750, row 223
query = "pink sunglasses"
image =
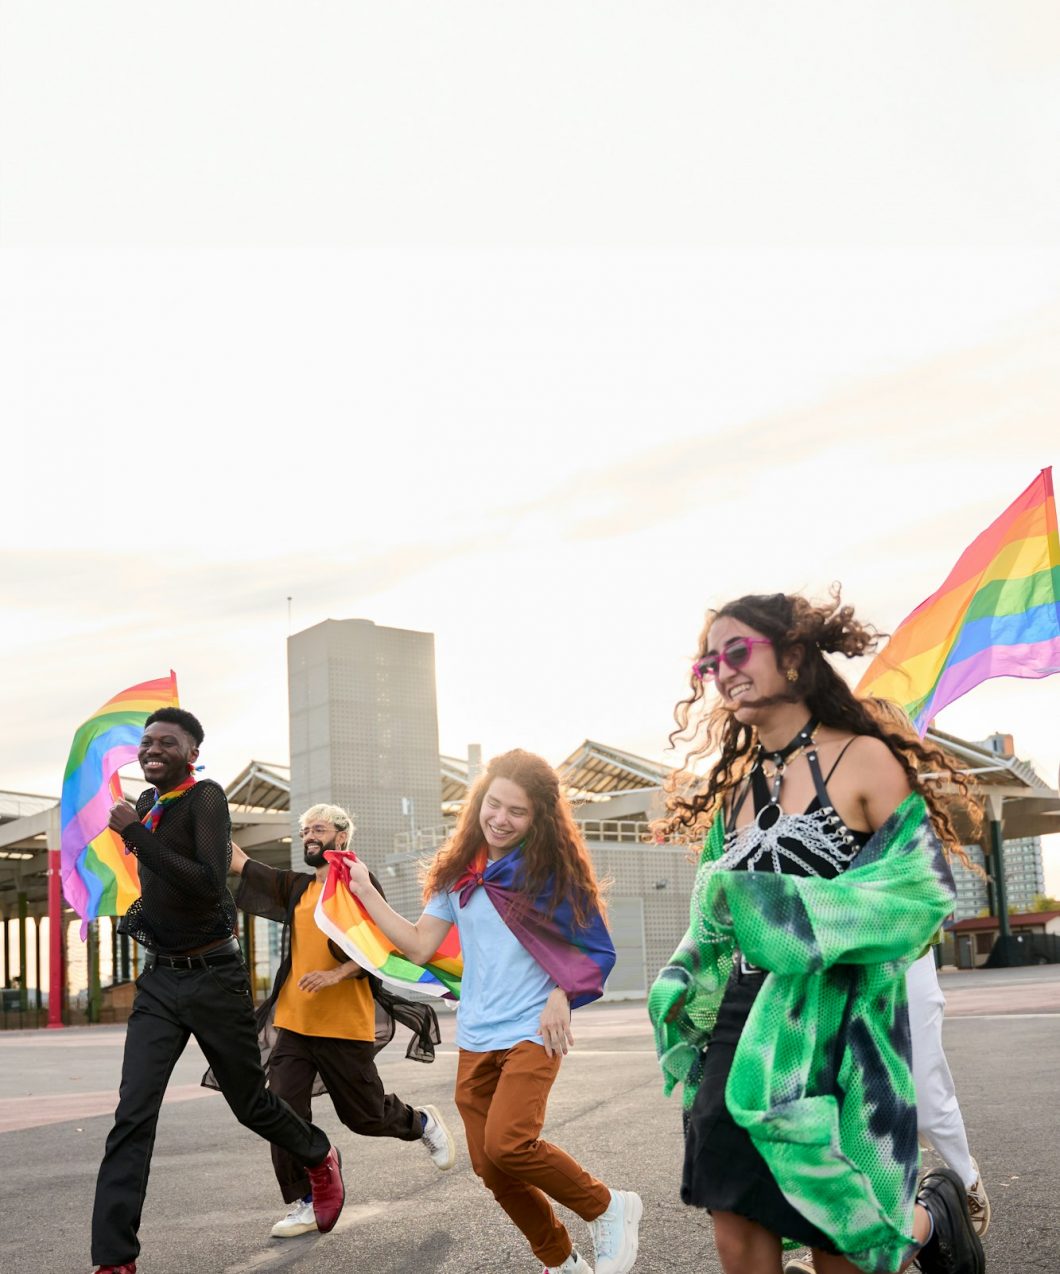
column 736, row 653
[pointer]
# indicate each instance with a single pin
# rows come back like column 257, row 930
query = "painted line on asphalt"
column 19, row 1113
column 996, row 1017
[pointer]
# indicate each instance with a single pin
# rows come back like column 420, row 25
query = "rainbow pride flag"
column 997, row 615
column 341, row 915
column 99, row 877
column 578, row 957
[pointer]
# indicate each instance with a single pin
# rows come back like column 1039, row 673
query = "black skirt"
column 723, row 1171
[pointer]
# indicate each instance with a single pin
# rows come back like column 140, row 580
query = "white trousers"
column 938, row 1115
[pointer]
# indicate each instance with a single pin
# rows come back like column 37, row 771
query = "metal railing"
column 611, row 830
column 622, row 831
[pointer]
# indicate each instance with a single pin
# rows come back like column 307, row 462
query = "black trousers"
column 171, row 1005
column 348, row 1070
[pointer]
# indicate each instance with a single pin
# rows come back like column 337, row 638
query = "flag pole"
column 55, row 942
column 995, row 810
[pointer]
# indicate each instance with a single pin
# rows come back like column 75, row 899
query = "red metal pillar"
column 55, row 943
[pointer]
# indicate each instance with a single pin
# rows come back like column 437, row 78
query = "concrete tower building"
column 364, row 729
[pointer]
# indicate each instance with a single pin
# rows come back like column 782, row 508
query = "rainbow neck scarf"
column 164, row 799
column 577, row 957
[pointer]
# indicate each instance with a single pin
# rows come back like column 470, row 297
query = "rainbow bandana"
column 163, row 800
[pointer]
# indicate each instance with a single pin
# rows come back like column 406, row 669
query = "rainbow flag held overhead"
column 997, row 615
column 99, row 877
column 340, row 914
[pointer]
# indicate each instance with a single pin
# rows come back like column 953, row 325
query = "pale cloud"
column 543, row 329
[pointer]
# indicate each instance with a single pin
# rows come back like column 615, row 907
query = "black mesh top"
column 184, row 901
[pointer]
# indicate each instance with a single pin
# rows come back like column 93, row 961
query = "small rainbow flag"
column 341, row 915
column 997, row 615
column 99, row 877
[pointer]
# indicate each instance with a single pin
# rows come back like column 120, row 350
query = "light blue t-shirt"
column 504, row 989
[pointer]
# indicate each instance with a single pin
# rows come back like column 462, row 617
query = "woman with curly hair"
column 783, row 1012
column 519, row 885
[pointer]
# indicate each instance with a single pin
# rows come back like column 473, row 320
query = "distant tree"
column 1042, row 902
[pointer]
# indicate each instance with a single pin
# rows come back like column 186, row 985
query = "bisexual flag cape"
column 578, row 958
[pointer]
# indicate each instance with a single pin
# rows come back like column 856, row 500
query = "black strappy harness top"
column 814, row 843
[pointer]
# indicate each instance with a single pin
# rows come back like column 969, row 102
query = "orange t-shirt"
column 345, row 1011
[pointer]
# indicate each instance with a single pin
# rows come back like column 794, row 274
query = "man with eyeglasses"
column 321, row 1018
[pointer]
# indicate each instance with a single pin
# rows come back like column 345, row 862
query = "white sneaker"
column 438, row 1139
column 299, row 1220
column 978, row 1204
column 616, row 1233
column 574, row 1264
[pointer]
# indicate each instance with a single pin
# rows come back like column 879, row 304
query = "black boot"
column 954, row 1247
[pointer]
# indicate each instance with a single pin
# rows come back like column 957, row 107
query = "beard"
column 314, row 854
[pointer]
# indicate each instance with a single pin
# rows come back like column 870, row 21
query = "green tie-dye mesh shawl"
column 821, row 1076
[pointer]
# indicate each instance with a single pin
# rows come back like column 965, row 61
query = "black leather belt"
column 223, row 954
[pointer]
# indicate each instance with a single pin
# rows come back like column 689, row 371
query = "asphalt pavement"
column 212, row 1197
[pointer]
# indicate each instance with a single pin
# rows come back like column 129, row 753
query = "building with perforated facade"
column 364, row 729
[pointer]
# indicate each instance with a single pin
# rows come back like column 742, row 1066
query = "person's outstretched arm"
column 416, row 940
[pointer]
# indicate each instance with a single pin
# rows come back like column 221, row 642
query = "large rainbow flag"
column 99, row 877
column 341, row 915
column 578, row 957
column 997, row 615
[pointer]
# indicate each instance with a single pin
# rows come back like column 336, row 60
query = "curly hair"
column 178, row 716
column 802, row 634
column 553, row 849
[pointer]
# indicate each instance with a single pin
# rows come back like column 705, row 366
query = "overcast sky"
column 541, row 327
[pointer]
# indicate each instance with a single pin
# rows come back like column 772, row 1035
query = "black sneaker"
column 954, row 1248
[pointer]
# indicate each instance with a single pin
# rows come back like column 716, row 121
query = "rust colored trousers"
column 502, row 1097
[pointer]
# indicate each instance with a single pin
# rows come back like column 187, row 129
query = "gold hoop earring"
column 792, row 674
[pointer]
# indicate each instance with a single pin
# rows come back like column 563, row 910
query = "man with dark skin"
column 194, row 982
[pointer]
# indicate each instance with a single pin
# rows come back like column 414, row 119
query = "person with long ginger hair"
column 783, row 1012
column 519, row 885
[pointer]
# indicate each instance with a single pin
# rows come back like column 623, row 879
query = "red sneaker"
column 329, row 1194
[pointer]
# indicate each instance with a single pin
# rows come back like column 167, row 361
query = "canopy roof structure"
column 594, row 774
column 597, row 771
column 454, row 783
column 262, row 785
column 1011, row 789
column 29, row 826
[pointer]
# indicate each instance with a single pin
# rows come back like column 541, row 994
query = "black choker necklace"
column 804, row 736
column 770, row 813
